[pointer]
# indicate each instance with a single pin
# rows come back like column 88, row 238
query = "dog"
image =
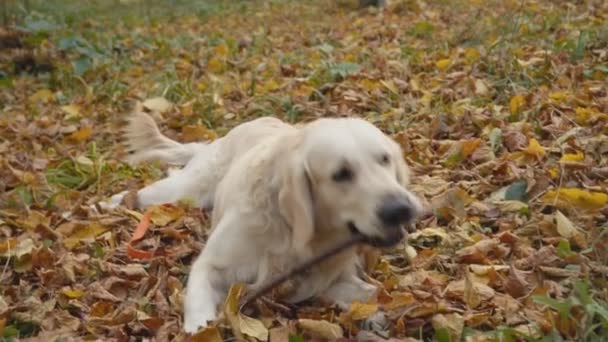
column 280, row 194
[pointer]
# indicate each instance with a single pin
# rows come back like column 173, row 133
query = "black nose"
column 395, row 210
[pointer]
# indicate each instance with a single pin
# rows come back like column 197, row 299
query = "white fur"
column 275, row 203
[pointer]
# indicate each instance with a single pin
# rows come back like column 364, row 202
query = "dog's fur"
column 279, row 195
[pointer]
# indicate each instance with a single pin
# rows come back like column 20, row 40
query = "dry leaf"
column 80, row 135
column 42, row 95
column 516, row 285
column 443, row 64
column 162, row 215
column 452, row 323
column 360, row 311
column 88, row 232
column 158, row 104
column 517, row 103
column 322, row 328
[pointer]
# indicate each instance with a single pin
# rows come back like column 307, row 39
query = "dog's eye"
column 385, row 159
column 344, row 174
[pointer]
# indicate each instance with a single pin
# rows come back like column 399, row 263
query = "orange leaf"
column 142, row 228
column 135, row 253
column 80, row 135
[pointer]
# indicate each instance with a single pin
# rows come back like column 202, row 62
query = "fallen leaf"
column 138, row 254
column 18, row 249
column 72, row 293
column 322, row 328
column 142, row 227
column 572, row 157
column 565, row 227
column 452, row 323
column 580, row 199
column 443, row 64
column 469, row 291
column 72, row 111
column 281, row 334
column 194, row 133
column 400, row 299
column 517, row 103
column 162, row 215
column 481, row 88
column 534, row 149
column 360, row 311
column 252, row 327
column 80, row 135
column 158, row 104
column 87, row 232
column 42, row 95
column 516, row 285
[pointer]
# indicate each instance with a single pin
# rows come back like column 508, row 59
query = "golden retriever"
column 280, row 194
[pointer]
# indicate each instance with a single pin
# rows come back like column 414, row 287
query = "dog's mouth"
column 392, row 237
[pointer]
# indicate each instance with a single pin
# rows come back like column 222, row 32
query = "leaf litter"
column 501, row 108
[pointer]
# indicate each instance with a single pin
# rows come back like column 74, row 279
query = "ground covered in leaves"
column 501, row 108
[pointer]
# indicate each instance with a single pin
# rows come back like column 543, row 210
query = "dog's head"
column 345, row 174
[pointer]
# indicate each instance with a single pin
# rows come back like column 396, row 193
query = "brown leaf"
column 80, row 135
column 516, row 284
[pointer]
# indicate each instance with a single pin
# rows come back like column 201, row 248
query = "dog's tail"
column 145, row 142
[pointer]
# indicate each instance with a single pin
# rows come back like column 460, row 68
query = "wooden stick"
column 353, row 240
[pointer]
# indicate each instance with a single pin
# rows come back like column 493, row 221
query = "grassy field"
column 501, row 108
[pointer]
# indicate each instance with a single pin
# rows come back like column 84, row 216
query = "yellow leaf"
column 426, row 98
column 91, row 231
column 303, row 90
column 72, row 293
column 253, row 327
column 400, row 300
column 415, row 84
column 471, row 55
column 233, row 299
column 579, row 198
column 216, row 65
column 202, row 86
column 443, row 64
column 554, row 172
column 517, row 103
column 534, row 149
column 80, row 135
column 42, row 95
column 323, row 328
column 559, row 95
column 161, row 215
column 573, row 157
column 197, row 133
column 221, row 50
column 359, row 311
column 390, row 85
column 469, row 146
column 158, row 104
column 268, row 86
column 71, row 111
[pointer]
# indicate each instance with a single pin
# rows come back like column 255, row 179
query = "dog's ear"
column 295, row 201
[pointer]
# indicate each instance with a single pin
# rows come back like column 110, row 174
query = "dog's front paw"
column 198, row 318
